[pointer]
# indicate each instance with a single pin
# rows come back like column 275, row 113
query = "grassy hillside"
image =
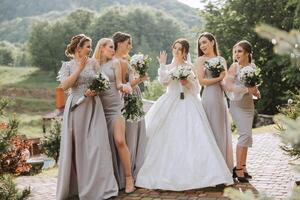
column 33, row 93
column 17, row 17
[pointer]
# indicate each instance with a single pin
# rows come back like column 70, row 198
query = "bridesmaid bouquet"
column 249, row 76
column 140, row 63
column 133, row 108
column 182, row 72
column 99, row 84
column 215, row 66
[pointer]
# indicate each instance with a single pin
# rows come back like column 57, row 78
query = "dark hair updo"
column 120, row 37
column 76, row 42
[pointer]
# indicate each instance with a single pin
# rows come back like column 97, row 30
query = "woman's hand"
column 83, row 63
column 126, row 88
column 254, row 91
column 162, row 59
column 90, row 93
column 222, row 75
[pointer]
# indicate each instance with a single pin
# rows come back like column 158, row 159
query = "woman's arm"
column 119, row 77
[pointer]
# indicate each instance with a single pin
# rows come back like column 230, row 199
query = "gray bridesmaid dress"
column 215, row 106
column 242, row 112
column 112, row 105
column 85, row 166
column 136, row 135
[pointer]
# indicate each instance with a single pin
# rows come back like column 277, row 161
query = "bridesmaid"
column 85, row 167
column 241, row 106
column 213, row 98
column 135, row 131
column 112, row 104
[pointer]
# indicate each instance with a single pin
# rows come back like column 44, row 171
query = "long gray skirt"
column 85, row 166
column 215, row 107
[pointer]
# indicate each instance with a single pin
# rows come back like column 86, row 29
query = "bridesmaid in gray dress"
column 135, row 131
column 85, row 166
column 213, row 98
column 241, row 106
column 112, row 105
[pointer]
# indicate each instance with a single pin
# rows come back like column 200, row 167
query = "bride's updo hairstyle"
column 185, row 46
column 77, row 41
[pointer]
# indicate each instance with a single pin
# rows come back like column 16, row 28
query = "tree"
column 48, row 41
column 6, row 56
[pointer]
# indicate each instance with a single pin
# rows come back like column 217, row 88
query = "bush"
column 292, row 108
column 14, row 160
column 14, row 149
column 9, row 191
column 51, row 142
column 6, row 56
column 287, row 126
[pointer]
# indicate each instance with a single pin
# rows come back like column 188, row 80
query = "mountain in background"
column 16, row 17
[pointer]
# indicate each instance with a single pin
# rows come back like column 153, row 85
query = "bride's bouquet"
column 99, row 84
column 249, row 76
column 215, row 66
column 133, row 108
column 140, row 63
column 182, row 72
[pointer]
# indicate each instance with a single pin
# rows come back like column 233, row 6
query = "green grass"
column 24, row 105
column 30, row 109
column 31, row 125
column 27, row 77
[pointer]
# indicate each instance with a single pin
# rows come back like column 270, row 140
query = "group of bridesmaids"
column 100, row 152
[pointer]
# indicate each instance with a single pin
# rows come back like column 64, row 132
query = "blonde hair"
column 100, row 44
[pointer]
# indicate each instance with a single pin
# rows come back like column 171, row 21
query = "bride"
column 181, row 152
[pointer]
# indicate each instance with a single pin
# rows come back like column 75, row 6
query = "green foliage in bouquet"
column 100, row 84
column 133, row 107
column 140, row 63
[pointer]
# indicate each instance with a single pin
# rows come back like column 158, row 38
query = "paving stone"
column 267, row 163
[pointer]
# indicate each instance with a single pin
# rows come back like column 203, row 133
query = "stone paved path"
column 267, row 163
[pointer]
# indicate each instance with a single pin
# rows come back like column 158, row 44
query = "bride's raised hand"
column 162, row 59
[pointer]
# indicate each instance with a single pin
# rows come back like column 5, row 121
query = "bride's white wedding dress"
column 181, row 152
